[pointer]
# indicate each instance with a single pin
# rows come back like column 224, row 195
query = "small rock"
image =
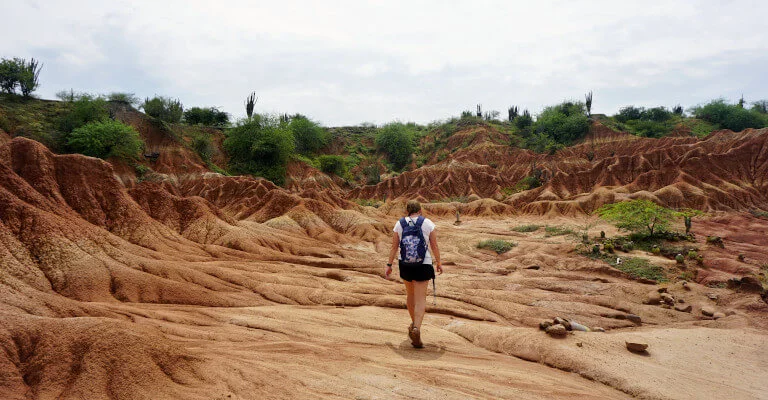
column 636, row 346
column 684, row 308
column 579, row 344
column 708, row 311
column 681, row 301
column 685, row 285
column 575, row 326
column 598, row 329
column 634, row 318
column 653, row 298
column 543, row 325
column 662, row 290
column 556, row 330
column 728, row 313
column 562, row 321
column 712, row 296
column 668, row 298
column 533, row 267
column 718, row 315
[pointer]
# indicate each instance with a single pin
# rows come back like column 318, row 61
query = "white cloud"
column 343, row 62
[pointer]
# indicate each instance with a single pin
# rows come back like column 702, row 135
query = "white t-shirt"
column 426, row 228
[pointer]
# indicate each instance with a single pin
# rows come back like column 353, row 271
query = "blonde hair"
column 412, row 207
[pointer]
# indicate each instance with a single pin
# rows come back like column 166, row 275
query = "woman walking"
column 415, row 263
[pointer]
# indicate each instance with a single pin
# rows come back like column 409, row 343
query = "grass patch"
column 497, row 245
column 759, row 213
column 557, row 231
column 642, row 268
column 368, row 202
column 526, row 228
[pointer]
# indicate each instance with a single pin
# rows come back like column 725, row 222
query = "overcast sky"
column 347, row 62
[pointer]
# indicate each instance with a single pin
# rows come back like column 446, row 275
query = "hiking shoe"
column 415, row 335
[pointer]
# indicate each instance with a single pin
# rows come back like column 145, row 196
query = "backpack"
column 413, row 247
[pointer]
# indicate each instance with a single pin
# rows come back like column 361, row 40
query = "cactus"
column 513, row 112
column 479, row 111
column 589, row 103
column 249, row 104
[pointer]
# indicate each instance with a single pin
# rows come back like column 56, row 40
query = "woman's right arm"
column 392, row 252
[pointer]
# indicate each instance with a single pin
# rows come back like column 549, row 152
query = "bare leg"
column 409, row 297
column 419, row 301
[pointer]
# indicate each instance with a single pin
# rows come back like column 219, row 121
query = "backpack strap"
column 419, row 221
column 403, row 223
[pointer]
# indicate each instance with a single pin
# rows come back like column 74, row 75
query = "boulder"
column 668, row 298
column 636, row 346
column 543, row 325
column 751, row 284
column 684, row 308
column 653, row 298
column 708, row 311
column 634, row 318
column 556, row 330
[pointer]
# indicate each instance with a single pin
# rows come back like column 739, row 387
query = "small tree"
column 260, row 146
column 250, row 102
column 121, row 97
column 310, row 137
column 164, row 108
column 637, row 216
column 210, row 116
column 29, row 72
column 9, row 75
column 397, row 141
column 332, row 164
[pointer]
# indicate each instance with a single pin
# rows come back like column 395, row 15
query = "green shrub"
column 310, row 137
column 642, row 268
column 629, row 113
column 83, row 110
column 106, row 139
column 210, row 116
column 650, row 129
column 123, row 97
column 201, row 144
column 729, row 116
column 163, row 108
column 497, row 245
column 527, row 183
column 679, row 258
column 692, row 255
column 557, row 231
column 396, row 140
column 608, row 247
column 332, row 164
column 564, row 123
column 260, row 146
column 526, row 228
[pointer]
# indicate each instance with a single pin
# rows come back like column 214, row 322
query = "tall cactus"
column 589, row 103
column 513, row 111
column 479, row 111
column 249, row 104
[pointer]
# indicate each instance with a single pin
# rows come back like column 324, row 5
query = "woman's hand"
column 439, row 268
column 388, row 271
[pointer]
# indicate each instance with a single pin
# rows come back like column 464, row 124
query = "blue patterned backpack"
column 413, row 247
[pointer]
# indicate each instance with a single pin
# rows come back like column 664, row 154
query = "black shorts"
column 416, row 272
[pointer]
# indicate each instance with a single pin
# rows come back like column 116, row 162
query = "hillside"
column 184, row 282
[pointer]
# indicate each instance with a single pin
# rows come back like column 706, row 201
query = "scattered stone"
column 718, row 315
column 662, row 290
column 728, row 313
column 708, row 311
column 681, row 301
column 637, row 346
column 579, row 344
column 634, row 318
column 556, row 330
column 536, row 267
column 684, row 308
column 562, row 321
column 598, row 329
column 685, row 285
column 653, row 298
column 712, row 296
column 543, row 325
column 575, row 326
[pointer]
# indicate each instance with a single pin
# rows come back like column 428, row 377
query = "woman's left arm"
column 435, row 250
